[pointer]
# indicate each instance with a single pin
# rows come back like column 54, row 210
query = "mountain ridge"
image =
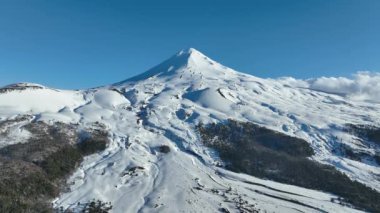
column 163, row 106
column 186, row 58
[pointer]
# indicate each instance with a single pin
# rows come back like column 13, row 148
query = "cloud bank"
column 362, row 86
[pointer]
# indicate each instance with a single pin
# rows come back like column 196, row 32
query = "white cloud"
column 293, row 82
column 339, row 85
column 361, row 86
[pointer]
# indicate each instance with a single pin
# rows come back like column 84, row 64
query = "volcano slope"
column 158, row 160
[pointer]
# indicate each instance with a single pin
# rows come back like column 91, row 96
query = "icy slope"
column 162, row 107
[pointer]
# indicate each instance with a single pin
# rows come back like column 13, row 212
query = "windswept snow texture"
column 163, row 106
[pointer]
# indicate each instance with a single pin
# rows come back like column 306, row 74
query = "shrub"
column 97, row 207
column 94, row 143
column 61, row 163
column 24, row 187
column 164, row 149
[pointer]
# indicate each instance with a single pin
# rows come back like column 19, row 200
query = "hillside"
column 157, row 160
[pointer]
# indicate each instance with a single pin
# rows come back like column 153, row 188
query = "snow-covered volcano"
column 164, row 105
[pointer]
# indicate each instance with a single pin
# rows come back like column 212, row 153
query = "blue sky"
column 80, row 44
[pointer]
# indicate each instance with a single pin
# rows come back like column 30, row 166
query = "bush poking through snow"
column 164, row 149
column 96, row 207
